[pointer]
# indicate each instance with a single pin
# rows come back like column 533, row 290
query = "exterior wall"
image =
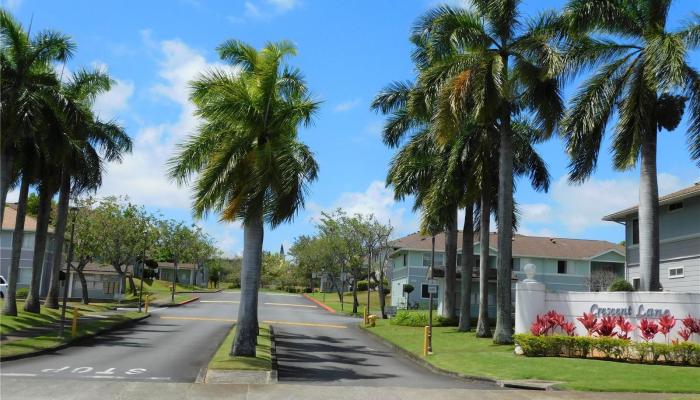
column 532, row 299
column 576, row 277
column 25, row 263
column 679, row 245
column 99, row 286
column 184, row 275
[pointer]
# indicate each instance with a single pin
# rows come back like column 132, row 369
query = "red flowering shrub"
column 589, row 321
column 692, row 324
column 569, row 328
column 649, row 329
column 685, row 333
column 624, row 327
column 666, row 323
column 606, row 326
column 549, row 322
column 540, row 326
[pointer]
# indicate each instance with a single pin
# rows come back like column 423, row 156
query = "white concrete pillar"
column 529, row 302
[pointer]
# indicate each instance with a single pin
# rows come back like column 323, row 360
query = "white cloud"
column 263, row 10
column 108, row 104
column 376, row 200
column 346, row 105
column 13, row 5
column 283, row 5
column 142, row 174
column 579, row 207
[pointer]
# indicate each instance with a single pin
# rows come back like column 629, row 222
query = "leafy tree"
column 642, row 73
column 248, row 161
column 176, row 241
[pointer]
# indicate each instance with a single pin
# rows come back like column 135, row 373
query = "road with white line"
column 175, row 344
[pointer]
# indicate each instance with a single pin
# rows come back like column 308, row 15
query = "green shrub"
column 408, row 288
column 362, row 286
column 621, row 285
column 683, row 353
column 308, row 290
column 22, row 293
column 420, row 319
column 233, row 286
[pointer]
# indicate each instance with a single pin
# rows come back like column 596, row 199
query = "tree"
column 249, row 162
column 87, row 241
column 642, row 74
column 501, row 66
column 176, row 241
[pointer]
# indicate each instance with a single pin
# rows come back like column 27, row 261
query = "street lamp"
column 74, row 210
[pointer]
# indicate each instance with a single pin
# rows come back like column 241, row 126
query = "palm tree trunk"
column 5, row 180
column 10, row 307
column 59, row 236
column 465, row 305
column 245, row 338
column 451, row 265
column 503, row 333
column 649, row 216
column 483, row 329
column 42, row 224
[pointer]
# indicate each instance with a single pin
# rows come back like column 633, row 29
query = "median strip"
column 325, row 307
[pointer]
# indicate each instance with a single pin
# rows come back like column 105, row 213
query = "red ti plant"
column 589, row 321
column 649, row 329
column 666, row 323
column 624, row 328
column 691, row 324
column 685, row 333
column 569, row 328
column 555, row 319
column 606, row 326
column 540, row 326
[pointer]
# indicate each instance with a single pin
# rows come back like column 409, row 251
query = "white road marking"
column 219, row 301
column 160, row 378
column 105, row 377
column 16, row 374
column 290, row 305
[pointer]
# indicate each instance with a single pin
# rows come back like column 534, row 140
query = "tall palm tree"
column 28, row 83
column 249, row 162
column 500, row 66
column 642, row 74
column 91, row 143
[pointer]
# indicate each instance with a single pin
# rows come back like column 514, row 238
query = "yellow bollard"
column 425, row 341
column 366, row 315
column 145, row 309
column 74, row 328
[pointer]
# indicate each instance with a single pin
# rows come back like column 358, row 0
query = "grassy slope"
column 31, row 345
column 465, row 354
column 160, row 291
column 332, row 301
column 261, row 362
column 25, row 320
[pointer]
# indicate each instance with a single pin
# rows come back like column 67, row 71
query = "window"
column 675, row 206
column 439, row 259
column 405, row 259
column 424, row 292
column 635, row 231
column 2, row 280
column 109, row 287
column 636, row 283
column 675, row 272
column 459, row 259
column 561, row 267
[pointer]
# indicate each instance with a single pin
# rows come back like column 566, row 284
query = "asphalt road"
column 174, row 344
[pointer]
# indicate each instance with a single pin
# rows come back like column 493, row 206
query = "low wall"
column 532, row 299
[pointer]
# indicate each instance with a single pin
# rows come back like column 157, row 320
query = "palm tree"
column 500, row 66
column 91, row 142
column 250, row 165
column 642, row 74
column 28, row 83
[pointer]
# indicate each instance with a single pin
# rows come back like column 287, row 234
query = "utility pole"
column 68, row 264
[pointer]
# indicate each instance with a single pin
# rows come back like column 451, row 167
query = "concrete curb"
column 217, row 376
column 425, row 364
column 322, row 305
column 73, row 341
column 168, row 305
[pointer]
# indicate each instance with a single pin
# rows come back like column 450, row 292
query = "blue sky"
column 348, row 50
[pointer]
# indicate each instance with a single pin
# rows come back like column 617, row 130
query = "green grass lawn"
column 261, row 362
column 161, row 293
column 31, row 345
column 468, row 355
column 26, row 320
column 331, row 300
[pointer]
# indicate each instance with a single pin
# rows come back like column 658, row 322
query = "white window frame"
column 638, row 285
column 677, row 275
column 668, row 207
column 435, row 296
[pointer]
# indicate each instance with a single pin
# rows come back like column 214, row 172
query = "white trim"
column 606, row 252
column 671, row 240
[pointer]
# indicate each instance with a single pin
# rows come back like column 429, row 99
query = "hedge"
column 609, row 348
column 420, row 319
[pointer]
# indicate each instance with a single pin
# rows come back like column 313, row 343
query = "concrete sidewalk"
column 54, row 389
